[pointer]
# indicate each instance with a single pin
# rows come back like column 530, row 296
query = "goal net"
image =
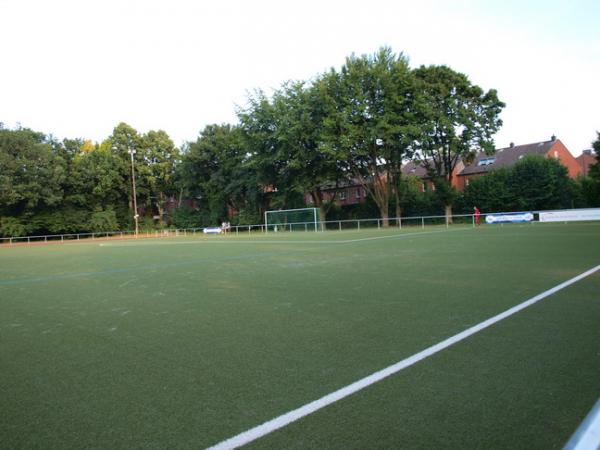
column 303, row 219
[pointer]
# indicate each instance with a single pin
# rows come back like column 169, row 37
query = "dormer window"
column 486, row 161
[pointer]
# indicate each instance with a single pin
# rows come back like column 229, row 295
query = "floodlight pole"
column 131, row 152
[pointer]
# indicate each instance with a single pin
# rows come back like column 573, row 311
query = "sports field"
column 186, row 342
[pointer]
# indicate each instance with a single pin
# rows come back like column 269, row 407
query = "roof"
column 412, row 168
column 505, row 157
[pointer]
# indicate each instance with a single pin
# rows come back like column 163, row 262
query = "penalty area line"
column 296, row 414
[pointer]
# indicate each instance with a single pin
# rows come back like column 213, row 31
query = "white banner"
column 509, row 218
column 570, row 215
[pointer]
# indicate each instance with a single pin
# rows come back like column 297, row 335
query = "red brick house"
column 585, row 160
column 345, row 193
column 415, row 169
column 351, row 192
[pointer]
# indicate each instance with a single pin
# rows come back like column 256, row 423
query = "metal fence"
column 329, row 225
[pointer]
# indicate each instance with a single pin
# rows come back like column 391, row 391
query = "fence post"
column 358, row 221
column 423, row 222
column 378, row 224
column 340, row 225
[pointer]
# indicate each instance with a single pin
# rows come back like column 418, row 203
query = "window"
column 357, row 193
column 466, row 182
column 486, row 161
column 342, row 195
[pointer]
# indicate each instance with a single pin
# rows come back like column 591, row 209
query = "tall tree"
column 372, row 121
column 126, row 139
column 287, row 135
column 594, row 171
column 215, row 169
column 32, row 173
column 457, row 119
column 159, row 158
column 591, row 183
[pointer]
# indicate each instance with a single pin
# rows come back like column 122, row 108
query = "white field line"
column 287, row 418
column 587, row 436
column 285, row 242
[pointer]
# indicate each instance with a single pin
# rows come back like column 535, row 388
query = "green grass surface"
column 184, row 342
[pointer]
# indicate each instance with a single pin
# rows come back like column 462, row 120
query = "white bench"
column 212, row 230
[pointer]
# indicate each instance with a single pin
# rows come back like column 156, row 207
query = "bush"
column 103, row 221
column 12, row 227
column 191, row 218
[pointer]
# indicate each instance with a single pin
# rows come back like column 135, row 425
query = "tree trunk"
column 397, row 200
column 317, row 197
column 160, row 207
column 448, row 209
column 385, row 218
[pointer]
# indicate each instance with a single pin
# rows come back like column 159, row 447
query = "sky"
column 75, row 69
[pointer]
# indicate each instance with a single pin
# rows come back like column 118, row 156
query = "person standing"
column 476, row 215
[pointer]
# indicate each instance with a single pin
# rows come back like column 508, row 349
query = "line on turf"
column 296, row 414
column 587, row 435
column 12, row 282
column 258, row 241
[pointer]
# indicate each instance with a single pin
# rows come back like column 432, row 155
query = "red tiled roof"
column 506, row 157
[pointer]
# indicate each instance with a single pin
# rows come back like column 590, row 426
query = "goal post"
column 301, row 219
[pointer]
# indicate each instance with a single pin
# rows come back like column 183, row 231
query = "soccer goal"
column 302, row 219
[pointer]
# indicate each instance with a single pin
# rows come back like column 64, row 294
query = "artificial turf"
column 184, row 342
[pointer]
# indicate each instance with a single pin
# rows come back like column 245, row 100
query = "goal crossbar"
column 290, row 217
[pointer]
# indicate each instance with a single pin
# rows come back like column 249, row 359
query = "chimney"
column 587, row 151
column 512, row 145
column 553, row 138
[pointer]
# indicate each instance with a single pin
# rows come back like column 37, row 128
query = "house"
column 348, row 192
column 351, row 192
column 506, row 157
column 585, row 160
column 417, row 169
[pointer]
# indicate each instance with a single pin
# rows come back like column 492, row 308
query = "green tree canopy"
column 32, row 171
column 457, row 118
column 215, row 170
column 371, row 122
column 533, row 183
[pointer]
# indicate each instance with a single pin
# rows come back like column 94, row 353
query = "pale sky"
column 76, row 68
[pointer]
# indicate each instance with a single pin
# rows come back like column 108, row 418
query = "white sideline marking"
column 400, row 235
column 587, row 436
column 285, row 419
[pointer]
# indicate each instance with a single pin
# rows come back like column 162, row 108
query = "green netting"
column 304, row 219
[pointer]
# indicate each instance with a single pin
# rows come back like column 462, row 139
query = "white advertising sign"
column 509, row 218
column 570, row 215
